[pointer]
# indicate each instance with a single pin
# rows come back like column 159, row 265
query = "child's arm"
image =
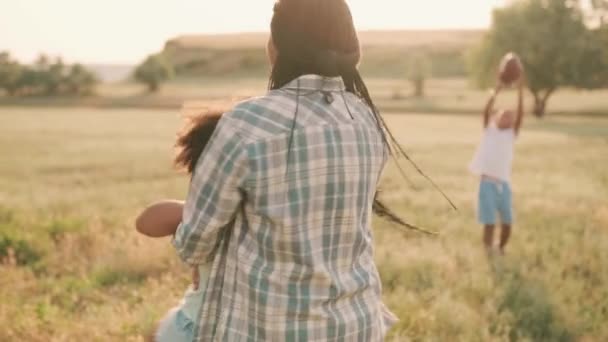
column 160, row 219
column 490, row 105
column 520, row 106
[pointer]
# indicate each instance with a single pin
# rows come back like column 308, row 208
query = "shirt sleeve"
column 214, row 195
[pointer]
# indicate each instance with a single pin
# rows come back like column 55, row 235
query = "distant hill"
column 402, row 38
column 111, row 72
column 386, row 53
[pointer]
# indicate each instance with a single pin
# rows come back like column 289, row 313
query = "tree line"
column 562, row 43
column 50, row 77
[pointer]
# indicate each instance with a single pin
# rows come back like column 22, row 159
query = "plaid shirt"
column 285, row 219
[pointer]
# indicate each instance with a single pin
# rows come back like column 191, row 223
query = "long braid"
column 391, row 142
column 329, row 46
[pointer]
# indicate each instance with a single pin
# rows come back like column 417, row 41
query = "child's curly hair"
column 194, row 137
column 196, row 134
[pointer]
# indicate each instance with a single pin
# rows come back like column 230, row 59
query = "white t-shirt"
column 494, row 156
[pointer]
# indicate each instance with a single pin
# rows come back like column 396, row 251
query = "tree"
column 593, row 68
column 153, row 71
column 601, row 36
column 10, row 73
column 44, row 77
column 80, row 81
column 599, row 10
column 42, row 63
column 29, row 82
column 54, row 77
column 419, row 71
column 595, row 60
column 551, row 38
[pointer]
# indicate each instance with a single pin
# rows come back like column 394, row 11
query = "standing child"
column 493, row 164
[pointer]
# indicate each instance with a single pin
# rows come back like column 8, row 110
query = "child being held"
column 162, row 219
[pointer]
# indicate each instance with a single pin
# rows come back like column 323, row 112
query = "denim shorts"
column 495, row 197
column 175, row 327
column 179, row 324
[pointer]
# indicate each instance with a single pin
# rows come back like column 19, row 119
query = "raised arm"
column 520, row 106
column 160, row 219
column 215, row 194
column 490, row 105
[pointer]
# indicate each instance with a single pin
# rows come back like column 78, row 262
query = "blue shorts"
column 495, row 197
column 179, row 324
column 175, row 327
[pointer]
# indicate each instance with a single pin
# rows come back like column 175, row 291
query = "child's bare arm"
column 160, row 219
column 520, row 105
column 487, row 112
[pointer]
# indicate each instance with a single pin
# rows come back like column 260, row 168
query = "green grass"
column 72, row 181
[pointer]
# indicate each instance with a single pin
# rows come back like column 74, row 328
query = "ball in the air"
column 510, row 68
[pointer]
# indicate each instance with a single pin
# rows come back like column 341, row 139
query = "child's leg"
column 175, row 328
column 488, row 236
column 487, row 212
column 505, row 235
column 506, row 215
column 179, row 324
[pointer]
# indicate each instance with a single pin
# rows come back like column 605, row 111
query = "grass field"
column 443, row 96
column 73, row 269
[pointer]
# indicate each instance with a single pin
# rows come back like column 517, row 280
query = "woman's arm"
column 215, row 194
column 160, row 219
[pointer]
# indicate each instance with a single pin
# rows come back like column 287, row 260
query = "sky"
column 125, row 31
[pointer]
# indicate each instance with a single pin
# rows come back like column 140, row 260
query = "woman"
column 282, row 204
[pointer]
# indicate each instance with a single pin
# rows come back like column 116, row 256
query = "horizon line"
column 236, row 33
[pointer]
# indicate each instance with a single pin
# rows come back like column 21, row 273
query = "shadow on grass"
column 581, row 129
column 14, row 249
column 107, row 277
column 528, row 308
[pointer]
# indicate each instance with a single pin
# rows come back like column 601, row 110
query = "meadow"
column 443, row 96
column 73, row 268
